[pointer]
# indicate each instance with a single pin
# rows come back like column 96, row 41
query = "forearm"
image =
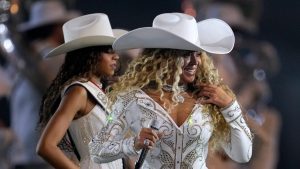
column 240, row 146
column 54, row 156
column 111, row 150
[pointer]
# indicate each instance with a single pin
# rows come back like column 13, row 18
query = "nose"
column 116, row 56
column 193, row 59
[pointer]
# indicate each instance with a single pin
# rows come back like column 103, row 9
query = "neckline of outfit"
column 98, row 85
column 100, row 102
column 167, row 115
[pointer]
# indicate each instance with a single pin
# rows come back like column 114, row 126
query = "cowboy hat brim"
column 215, row 36
column 81, row 43
column 149, row 37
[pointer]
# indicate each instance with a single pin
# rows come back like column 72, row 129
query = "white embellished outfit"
column 181, row 147
column 83, row 129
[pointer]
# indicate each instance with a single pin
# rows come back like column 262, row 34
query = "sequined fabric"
column 84, row 128
column 182, row 147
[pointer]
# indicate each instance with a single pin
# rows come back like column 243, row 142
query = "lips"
column 113, row 66
column 190, row 71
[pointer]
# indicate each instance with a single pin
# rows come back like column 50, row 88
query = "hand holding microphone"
column 147, row 139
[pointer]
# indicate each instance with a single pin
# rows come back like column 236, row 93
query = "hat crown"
column 119, row 32
column 182, row 25
column 88, row 25
column 43, row 10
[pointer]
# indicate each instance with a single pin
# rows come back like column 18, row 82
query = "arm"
column 239, row 147
column 74, row 101
column 110, row 143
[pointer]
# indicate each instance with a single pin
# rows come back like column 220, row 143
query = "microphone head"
column 155, row 124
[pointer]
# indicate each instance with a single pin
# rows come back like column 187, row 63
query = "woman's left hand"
column 212, row 94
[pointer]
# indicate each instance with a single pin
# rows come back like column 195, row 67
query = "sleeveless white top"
column 83, row 129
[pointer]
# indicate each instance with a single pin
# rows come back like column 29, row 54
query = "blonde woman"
column 176, row 85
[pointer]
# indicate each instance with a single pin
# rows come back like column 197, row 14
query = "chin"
column 108, row 74
column 112, row 72
column 188, row 79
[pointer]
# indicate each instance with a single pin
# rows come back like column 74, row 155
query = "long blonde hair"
column 160, row 65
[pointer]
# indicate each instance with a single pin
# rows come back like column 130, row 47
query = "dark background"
column 279, row 25
column 129, row 14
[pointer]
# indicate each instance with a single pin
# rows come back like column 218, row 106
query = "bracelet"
column 230, row 104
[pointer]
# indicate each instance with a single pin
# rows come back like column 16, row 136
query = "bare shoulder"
column 76, row 91
column 75, row 98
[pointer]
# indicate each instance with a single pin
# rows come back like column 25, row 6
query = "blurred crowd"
column 25, row 75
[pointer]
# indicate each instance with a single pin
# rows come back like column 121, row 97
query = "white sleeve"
column 239, row 148
column 110, row 144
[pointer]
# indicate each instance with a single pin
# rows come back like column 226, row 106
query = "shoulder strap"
column 96, row 92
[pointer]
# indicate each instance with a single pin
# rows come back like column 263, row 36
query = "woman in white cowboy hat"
column 174, row 82
column 74, row 107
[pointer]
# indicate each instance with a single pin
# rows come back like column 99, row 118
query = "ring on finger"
column 146, row 142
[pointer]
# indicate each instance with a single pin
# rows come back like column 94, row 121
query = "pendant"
column 180, row 99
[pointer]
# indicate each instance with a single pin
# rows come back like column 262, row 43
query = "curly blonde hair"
column 157, row 66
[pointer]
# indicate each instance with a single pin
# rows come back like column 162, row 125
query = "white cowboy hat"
column 85, row 31
column 180, row 31
column 46, row 12
column 119, row 32
column 215, row 36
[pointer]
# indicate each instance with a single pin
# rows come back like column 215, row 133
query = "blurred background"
column 265, row 66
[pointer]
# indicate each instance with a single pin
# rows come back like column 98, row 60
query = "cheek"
column 199, row 61
column 105, row 61
column 103, row 66
column 186, row 62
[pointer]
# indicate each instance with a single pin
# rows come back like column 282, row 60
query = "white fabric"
column 83, row 129
column 181, row 147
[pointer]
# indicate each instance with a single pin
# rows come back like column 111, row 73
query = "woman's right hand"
column 146, row 139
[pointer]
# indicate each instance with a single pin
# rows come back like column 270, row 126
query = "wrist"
column 228, row 105
column 135, row 146
column 232, row 112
